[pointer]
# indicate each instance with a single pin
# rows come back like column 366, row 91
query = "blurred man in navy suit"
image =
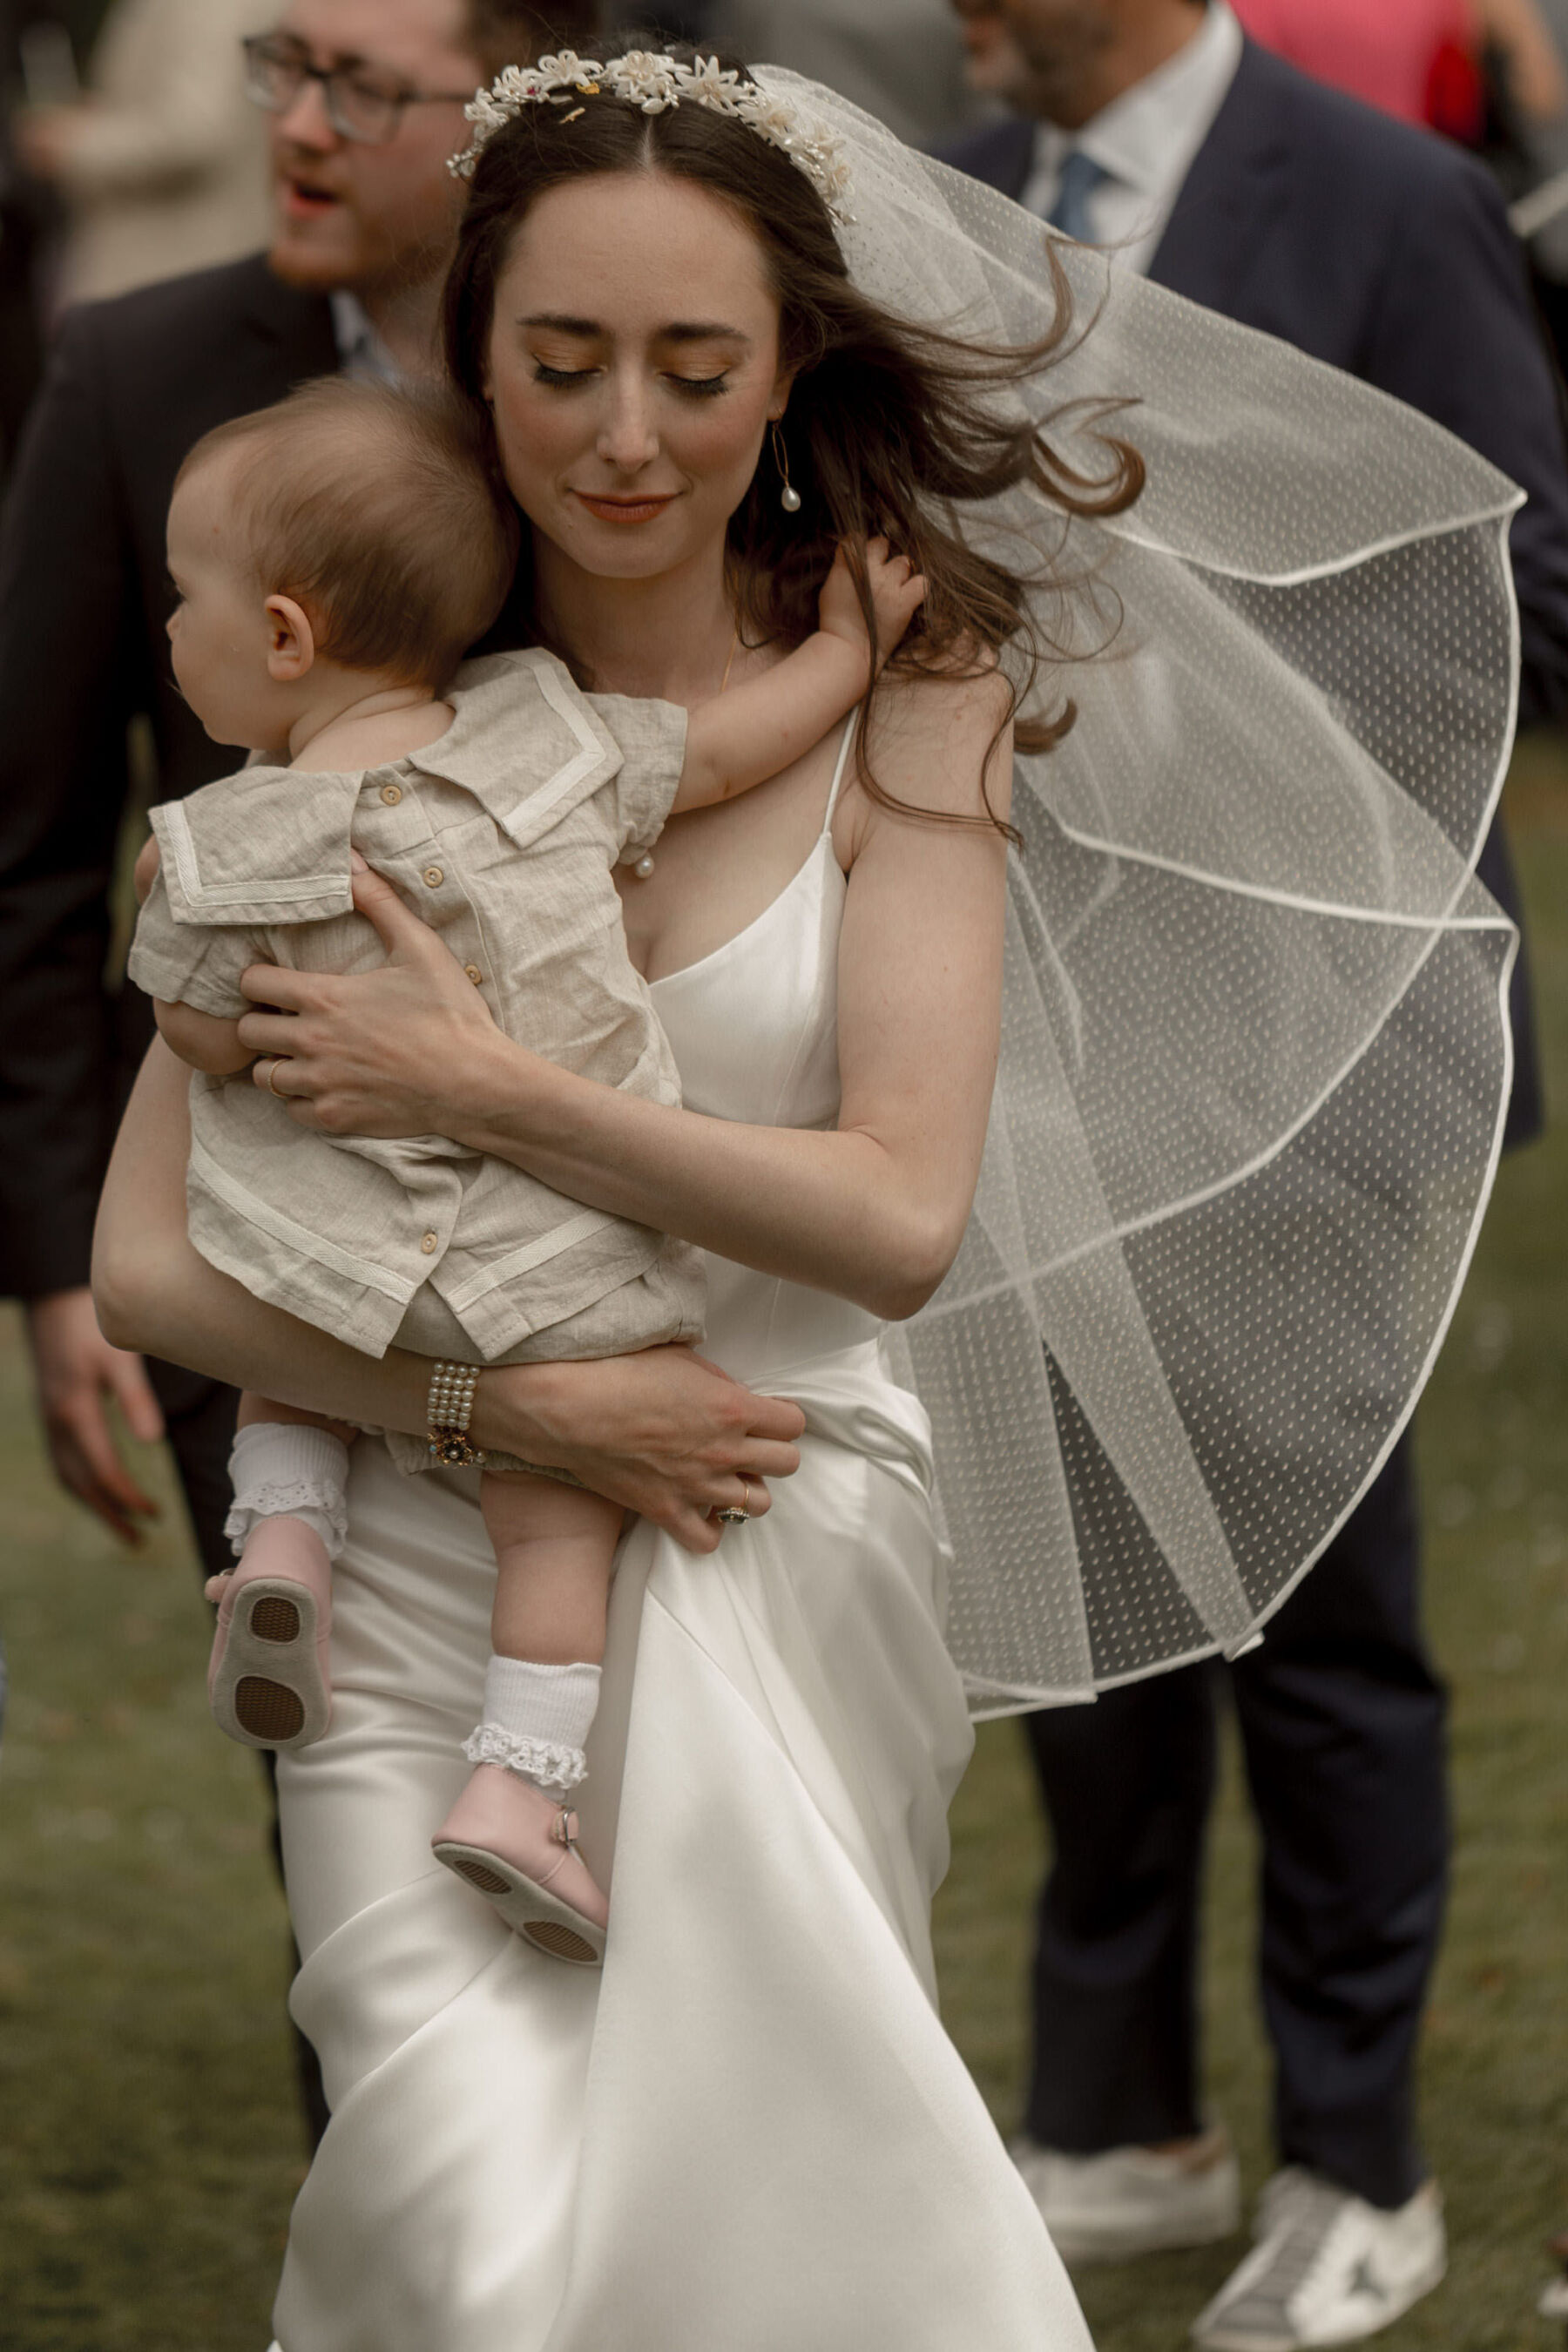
column 1155, row 128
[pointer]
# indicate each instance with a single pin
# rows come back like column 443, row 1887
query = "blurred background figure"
column 1420, row 60
column 1157, row 129
column 901, row 59
column 159, row 161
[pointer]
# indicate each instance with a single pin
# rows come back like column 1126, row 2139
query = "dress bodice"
column 754, row 1030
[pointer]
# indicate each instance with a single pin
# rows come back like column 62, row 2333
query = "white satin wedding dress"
column 749, row 2134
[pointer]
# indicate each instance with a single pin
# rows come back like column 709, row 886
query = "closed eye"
column 700, row 387
column 543, row 374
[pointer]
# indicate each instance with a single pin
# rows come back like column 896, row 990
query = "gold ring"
column 735, row 1515
column 278, row 1062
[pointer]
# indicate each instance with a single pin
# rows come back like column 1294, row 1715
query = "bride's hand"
column 388, row 1052
column 664, row 1432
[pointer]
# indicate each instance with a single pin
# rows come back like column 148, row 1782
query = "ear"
column 292, row 646
column 783, row 384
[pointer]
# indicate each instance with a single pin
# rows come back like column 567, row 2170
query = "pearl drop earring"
column 789, row 497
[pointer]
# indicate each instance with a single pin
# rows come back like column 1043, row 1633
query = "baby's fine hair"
column 377, row 510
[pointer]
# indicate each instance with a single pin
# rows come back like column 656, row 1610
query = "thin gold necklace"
column 642, row 867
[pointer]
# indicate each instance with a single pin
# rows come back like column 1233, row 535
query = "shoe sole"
column 1224, row 2339
column 531, row 1911
column 268, row 1690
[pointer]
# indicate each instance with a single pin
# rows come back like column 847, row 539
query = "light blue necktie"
column 1080, row 177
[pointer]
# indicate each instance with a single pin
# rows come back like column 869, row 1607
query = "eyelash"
column 699, row 387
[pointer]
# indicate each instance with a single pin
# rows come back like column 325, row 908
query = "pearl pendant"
column 789, row 498
column 644, row 867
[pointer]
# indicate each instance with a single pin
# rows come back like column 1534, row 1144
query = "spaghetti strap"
column 848, row 739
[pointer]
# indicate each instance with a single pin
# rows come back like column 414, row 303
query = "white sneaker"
column 1328, row 2268
column 1553, row 2302
column 1134, row 2200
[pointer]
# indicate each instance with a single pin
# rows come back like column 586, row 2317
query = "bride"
column 751, row 2129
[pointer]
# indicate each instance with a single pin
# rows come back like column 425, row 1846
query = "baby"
column 334, row 555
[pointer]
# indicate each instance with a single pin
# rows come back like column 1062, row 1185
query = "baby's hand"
column 144, row 873
column 897, row 591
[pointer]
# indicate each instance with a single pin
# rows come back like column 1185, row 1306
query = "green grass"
column 150, row 2145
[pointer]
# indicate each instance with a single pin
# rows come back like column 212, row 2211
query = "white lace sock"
column 536, row 1719
column 281, row 1469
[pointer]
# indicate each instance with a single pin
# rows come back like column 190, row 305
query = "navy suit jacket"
column 1386, row 252
column 84, row 596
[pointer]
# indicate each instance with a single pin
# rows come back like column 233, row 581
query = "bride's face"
column 632, row 370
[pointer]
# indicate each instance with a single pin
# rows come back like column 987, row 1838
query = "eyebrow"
column 679, row 330
column 342, row 60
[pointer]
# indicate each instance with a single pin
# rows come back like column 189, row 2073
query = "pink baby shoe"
column 270, row 1682
column 518, row 1846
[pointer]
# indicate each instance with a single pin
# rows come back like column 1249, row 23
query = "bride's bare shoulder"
column 942, row 744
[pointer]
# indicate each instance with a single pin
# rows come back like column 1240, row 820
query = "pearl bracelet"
column 446, row 1409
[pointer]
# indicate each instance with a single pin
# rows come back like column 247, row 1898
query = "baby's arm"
column 202, row 1040
column 756, row 730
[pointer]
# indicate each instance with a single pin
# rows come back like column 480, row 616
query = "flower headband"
column 649, row 80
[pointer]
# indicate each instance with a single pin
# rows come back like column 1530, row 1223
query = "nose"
column 304, row 121
column 627, row 440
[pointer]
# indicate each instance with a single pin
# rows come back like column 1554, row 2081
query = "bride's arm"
column 873, row 1210
column 663, row 1432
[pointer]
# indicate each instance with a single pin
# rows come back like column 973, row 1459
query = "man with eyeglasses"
column 365, row 99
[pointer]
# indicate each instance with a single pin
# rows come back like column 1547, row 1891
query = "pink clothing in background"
column 1390, row 52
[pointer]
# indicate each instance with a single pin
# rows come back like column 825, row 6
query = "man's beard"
column 360, row 265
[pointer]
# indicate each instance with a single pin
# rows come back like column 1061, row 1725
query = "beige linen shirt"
column 504, row 836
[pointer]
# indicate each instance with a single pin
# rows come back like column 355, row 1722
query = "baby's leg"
column 554, row 1548
column 511, row 1833
column 268, row 1681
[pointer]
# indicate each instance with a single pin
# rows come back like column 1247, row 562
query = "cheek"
column 537, row 439
column 717, row 441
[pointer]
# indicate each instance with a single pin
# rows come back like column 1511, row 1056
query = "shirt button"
column 430, row 1244
column 434, row 876
column 391, row 794
column 474, row 974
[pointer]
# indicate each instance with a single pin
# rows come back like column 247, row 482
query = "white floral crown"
column 649, row 80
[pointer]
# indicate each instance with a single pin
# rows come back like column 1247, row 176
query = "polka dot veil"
column 1255, row 1050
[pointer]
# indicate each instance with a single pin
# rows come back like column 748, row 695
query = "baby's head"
column 350, row 532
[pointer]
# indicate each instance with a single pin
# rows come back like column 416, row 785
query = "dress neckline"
column 824, row 840
column 666, row 978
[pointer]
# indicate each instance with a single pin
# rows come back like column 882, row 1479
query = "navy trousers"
column 1343, row 1727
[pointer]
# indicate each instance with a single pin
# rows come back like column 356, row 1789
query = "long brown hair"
column 888, row 421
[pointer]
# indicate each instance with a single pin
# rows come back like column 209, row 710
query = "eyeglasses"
column 361, row 104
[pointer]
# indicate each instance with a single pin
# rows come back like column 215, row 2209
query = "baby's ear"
column 291, row 647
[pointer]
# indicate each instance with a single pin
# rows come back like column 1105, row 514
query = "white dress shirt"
column 1144, row 142
column 361, row 351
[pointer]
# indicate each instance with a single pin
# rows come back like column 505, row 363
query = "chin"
column 314, row 265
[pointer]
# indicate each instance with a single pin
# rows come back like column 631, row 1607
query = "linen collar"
column 523, row 741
